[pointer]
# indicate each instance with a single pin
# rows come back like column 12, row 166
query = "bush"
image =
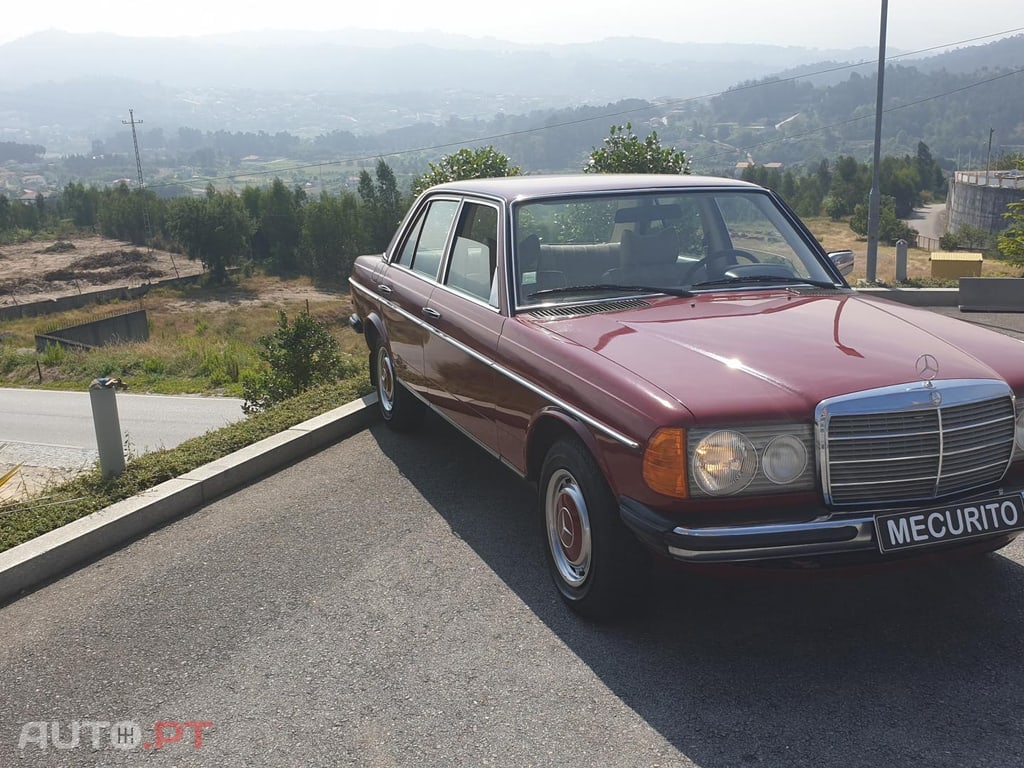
column 968, row 238
column 299, row 356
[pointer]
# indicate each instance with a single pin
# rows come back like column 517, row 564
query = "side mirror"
column 843, row 261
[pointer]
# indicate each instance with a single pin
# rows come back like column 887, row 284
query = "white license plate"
column 942, row 525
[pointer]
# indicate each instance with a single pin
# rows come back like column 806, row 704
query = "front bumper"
column 826, row 535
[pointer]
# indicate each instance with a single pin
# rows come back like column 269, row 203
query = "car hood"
column 775, row 354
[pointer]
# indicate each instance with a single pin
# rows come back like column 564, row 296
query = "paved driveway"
column 384, row 603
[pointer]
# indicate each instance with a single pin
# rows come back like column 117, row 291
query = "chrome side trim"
column 503, row 371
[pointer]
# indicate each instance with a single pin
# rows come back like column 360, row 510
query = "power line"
column 637, row 110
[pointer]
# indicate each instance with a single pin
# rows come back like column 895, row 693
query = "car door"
column 407, row 284
column 466, row 314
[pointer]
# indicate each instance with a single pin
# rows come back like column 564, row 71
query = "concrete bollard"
column 901, row 261
column 107, row 425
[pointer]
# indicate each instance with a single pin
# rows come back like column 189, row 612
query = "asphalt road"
column 929, row 220
column 44, row 428
column 384, row 603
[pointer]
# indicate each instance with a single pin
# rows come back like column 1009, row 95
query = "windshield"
column 579, row 248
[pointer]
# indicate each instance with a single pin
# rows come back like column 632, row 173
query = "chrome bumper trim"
column 761, row 542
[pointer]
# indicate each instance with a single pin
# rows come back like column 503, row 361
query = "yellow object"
column 4, row 478
column 953, row 264
column 665, row 463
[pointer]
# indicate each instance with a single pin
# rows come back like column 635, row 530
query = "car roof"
column 521, row 187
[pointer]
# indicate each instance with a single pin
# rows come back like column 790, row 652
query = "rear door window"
column 424, row 248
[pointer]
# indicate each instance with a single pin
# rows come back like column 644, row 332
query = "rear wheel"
column 399, row 409
column 595, row 562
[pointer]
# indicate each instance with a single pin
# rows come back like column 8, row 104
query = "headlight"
column 724, row 462
column 752, row 460
column 785, row 459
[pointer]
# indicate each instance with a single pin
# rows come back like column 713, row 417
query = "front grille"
column 915, row 443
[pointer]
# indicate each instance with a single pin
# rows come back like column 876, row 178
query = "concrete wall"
column 128, row 326
column 50, row 306
column 971, row 201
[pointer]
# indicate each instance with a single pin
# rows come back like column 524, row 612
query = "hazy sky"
column 913, row 24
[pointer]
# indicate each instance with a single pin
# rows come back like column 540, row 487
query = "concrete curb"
column 51, row 554
column 916, row 297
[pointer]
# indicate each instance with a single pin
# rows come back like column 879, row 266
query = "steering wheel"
column 718, row 256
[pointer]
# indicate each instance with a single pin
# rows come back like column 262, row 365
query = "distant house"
column 28, row 196
column 742, row 166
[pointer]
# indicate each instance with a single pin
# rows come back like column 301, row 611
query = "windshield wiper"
column 776, row 279
column 610, row 287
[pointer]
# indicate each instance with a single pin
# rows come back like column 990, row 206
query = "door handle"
column 431, row 312
column 384, row 288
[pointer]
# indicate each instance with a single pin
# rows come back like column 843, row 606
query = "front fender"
column 548, row 425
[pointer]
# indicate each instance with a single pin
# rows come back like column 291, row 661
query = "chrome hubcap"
column 568, row 528
column 385, row 380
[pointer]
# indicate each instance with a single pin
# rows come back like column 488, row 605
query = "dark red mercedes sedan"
column 681, row 369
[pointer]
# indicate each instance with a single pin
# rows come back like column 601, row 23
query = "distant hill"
column 372, row 92
column 1005, row 53
column 361, row 61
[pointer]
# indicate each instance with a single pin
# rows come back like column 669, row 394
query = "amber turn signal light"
column 665, row 463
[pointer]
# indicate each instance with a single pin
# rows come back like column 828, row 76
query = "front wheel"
column 594, row 560
column 399, row 409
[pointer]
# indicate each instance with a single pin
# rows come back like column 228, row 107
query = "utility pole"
column 138, row 165
column 874, row 198
column 988, row 163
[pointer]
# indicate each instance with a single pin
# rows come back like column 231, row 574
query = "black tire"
column 400, row 410
column 596, row 563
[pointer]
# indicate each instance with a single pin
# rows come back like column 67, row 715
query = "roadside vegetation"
column 88, row 493
column 203, row 339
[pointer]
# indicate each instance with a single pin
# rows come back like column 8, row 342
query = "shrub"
column 299, row 356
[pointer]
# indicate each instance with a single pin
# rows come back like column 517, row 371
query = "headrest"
column 528, row 252
column 649, row 250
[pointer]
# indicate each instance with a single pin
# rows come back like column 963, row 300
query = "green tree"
column 279, row 226
column 890, row 226
column 41, row 213
column 121, row 212
column 968, row 238
column 851, row 182
column 382, row 206
column 215, row 229
column 898, row 178
column 81, row 204
column 298, row 356
column 1011, row 239
column 331, row 237
column 6, row 216
column 483, row 163
column 625, row 152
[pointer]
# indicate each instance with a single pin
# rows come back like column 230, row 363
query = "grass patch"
column 202, row 339
column 837, row 236
column 23, row 520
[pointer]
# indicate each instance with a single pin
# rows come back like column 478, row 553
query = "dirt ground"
column 38, row 271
